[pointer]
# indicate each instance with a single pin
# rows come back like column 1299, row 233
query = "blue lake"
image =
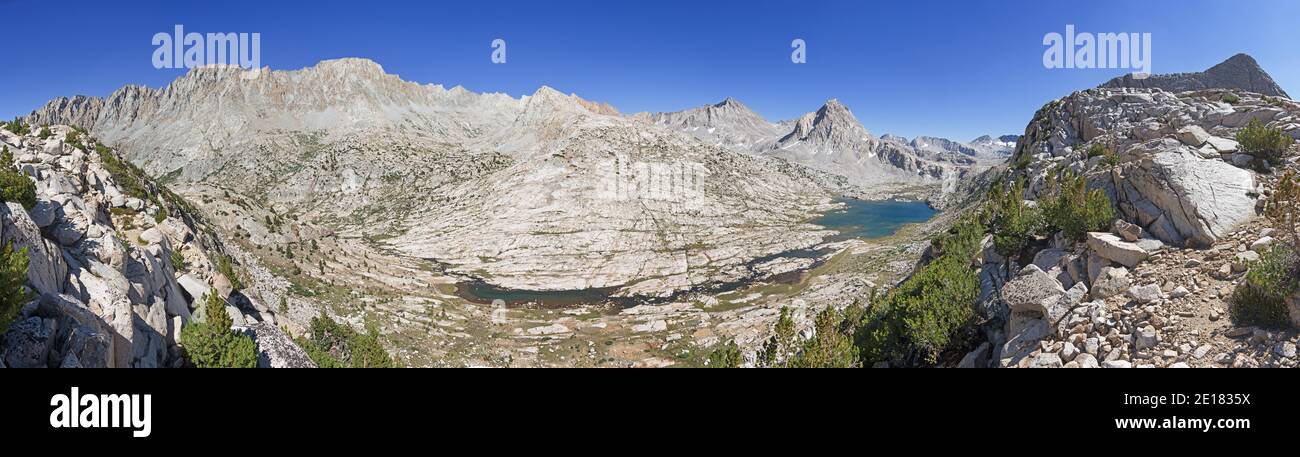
column 873, row 219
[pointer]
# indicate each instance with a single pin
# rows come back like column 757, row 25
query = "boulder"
column 1046, row 360
column 1086, row 360
column 196, row 288
column 1128, row 231
column 27, row 343
column 1032, row 291
column 1193, row 135
column 1110, row 282
column 46, row 270
column 1116, row 250
column 222, row 285
column 1262, row 244
column 1149, row 293
column 1223, row 145
column 1145, row 338
column 1048, row 258
column 1202, row 199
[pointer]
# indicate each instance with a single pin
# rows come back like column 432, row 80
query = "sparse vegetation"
column 1261, row 299
column 1075, row 210
column 1283, row 208
column 914, row 322
column 332, row 345
column 13, row 274
column 1012, row 222
column 73, row 138
column 1230, row 99
column 227, row 268
column 212, row 344
column 17, row 126
column 178, row 260
column 14, row 186
column 1109, row 158
column 45, row 133
column 1269, row 144
column 726, row 356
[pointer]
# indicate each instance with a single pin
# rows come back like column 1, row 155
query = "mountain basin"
column 854, row 219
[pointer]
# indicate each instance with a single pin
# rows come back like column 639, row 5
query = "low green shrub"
column 1261, row 299
column 332, row 345
column 13, row 275
column 1075, row 210
column 14, row 186
column 210, row 343
column 208, row 346
column 1012, row 222
column 726, row 356
column 1262, row 142
column 915, row 321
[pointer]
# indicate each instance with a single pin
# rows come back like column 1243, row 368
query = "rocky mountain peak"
column 1239, row 72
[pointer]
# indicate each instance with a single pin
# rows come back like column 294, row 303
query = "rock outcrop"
column 1176, row 172
column 101, row 243
column 1240, row 72
column 1153, row 291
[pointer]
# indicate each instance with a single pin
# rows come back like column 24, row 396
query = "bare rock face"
column 99, row 262
column 1174, row 172
column 1238, row 72
column 45, row 265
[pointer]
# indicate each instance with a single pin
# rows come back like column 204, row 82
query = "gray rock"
column 1128, row 231
column 1240, row 71
column 1032, row 292
column 1262, row 244
column 27, row 343
column 274, row 348
column 1046, row 360
column 1192, row 135
column 46, row 269
column 1086, row 360
column 1149, row 293
column 1117, row 364
column 194, row 287
column 1116, row 250
column 1112, row 281
column 1146, row 338
column 977, row 358
column 1243, row 260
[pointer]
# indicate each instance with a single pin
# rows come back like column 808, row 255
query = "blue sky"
column 953, row 69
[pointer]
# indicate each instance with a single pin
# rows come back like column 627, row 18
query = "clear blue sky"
column 957, row 69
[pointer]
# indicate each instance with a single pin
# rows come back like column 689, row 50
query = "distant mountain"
column 995, row 148
column 832, row 140
column 543, row 192
column 1238, row 72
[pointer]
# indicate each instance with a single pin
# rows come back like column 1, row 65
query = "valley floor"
column 424, row 322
